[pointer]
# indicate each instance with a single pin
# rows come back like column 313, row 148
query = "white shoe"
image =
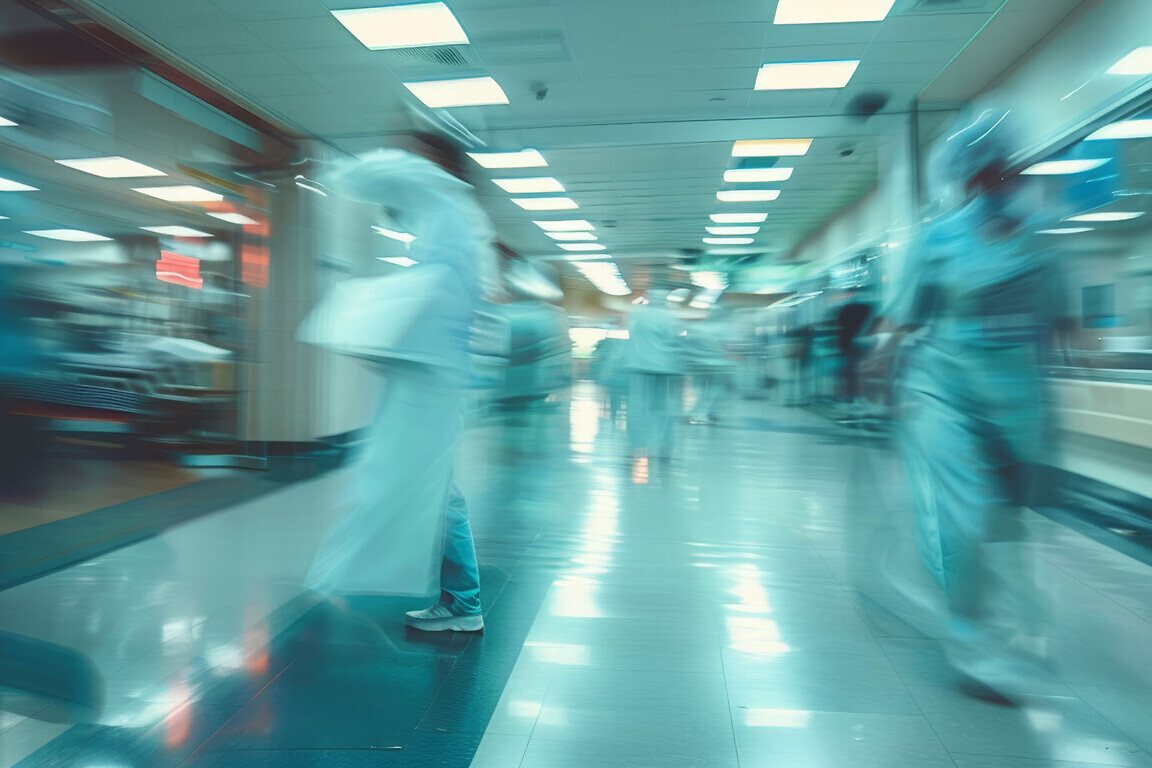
column 439, row 618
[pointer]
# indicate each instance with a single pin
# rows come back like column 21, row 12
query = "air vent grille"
column 433, row 61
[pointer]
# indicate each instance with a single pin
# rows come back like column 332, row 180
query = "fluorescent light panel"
column 771, row 147
column 177, row 231
column 832, row 11
column 1065, row 231
column 459, row 92
column 113, row 167
column 234, row 218
column 393, row 234
column 1125, row 129
column 400, row 261
column 6, row 123
column 732, row 230
column 742, row 175
column 571, row 235
column 1107, row 216
column 7, row 185
column 1139, row 62
column 805, row 75
column 181, row 194
column 738, row 218
column 525, row 158
column 729, row 240
column 747, row 195
column 68, row 235
column 545, row 203
column 403, row 26
column 1063, row 167
column 583, row 246
column 529, row 186
column 569, row 225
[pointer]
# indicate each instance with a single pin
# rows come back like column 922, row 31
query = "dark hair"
column 440, row 150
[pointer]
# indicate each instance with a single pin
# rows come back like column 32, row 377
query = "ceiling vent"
column 920, row 7
column 432, row 61
column 538, row 47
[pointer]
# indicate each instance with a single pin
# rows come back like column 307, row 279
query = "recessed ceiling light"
column 583, row 246
column 234, row 218
column 738, row 218
column 529, row 186
column 181, row 194
column 6, row 123
column 831, row 11
column 739, row 175
column 732, row 230
column 771, row 147
column 458, row 92
column 4, row 218
column 571, row 235
column 747, row 195
column 1065, row 231
column 403, row 26
column 729, row 240
column 68, row 235
column 1063, row 167
column 1107, row 216
column 400, row 261
column 605, row 275
column 394, row 234
column 525, row 158
column 805, row 75
column 1139, row 62
column 1125, row 129
column 545, row 203
column 113, row 167
column 7, row 185
column 570, row 225
column 177, row 231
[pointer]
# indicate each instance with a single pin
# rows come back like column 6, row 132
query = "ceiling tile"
column 250, row 10
column 295, row 34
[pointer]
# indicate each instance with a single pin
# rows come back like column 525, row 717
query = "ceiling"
column 643, row 98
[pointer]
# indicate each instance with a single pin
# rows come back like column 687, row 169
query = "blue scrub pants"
column 459, row 571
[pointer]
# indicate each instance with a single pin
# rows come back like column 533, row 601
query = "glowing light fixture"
column 771, row 147
column 570, row 225
column 7, row 185
column 113, row 167
column 529, row 186
column 400, row 261
column 1065, row 231
column 1139, row 62
column 1125, row 129
column 177, row 231
column 741, row 175
column 6, row 123
column 234, row 218
column 571, row 235
column 729, row 240
column 181, row 194
column 605, row 275
column 732, row 230
column 545, row 203
column 393, row 234
column 458, row 92
column 805, row 75
column 832, row 11
column 738, row 218
column 1108, row 216
column 747, row 195
column 583, row 246
column 1063, row 167
column 403, row 26
column 68, row 235
column 525, row 158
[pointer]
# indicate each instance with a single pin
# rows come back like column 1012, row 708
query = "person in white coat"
column 654, row 360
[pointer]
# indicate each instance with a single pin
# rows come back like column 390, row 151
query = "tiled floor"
column 756, row 602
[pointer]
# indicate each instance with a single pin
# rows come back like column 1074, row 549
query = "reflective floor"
column 756, row 601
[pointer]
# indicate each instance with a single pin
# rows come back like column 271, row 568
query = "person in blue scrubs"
column 977, row 302
column 654, row 360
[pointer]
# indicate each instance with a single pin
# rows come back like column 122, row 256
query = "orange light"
column 179, row 270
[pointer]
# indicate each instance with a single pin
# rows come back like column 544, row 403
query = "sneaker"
column 439, row 618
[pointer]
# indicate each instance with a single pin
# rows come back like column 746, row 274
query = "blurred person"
column 654, row 361
column 974, row 308
column 802, row 350
column 711, row 369
column 411, row 526
column 852, row 320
